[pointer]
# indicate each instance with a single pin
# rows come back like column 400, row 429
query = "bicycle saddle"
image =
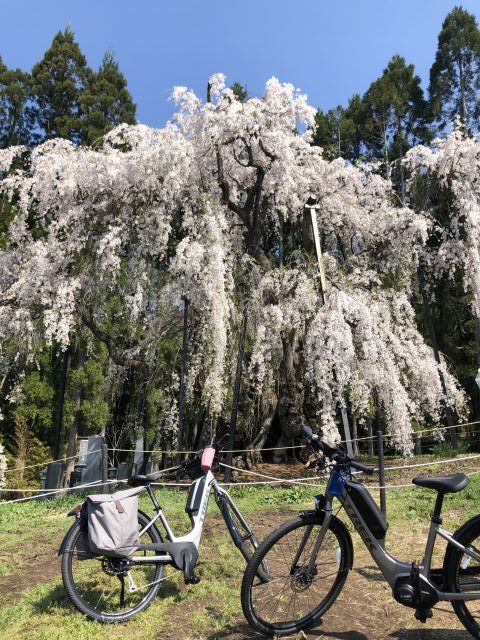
column 139, row 480
column 444, row 484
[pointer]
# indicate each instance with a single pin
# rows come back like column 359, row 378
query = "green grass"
column 43, row 612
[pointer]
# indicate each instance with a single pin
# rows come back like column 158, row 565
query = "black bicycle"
column 113, row 589
column 310, row 556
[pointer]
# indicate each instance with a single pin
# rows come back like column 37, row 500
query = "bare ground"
column 365, row 610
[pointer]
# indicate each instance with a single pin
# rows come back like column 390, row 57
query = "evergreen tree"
column 239, row 91
column 105, row 101
column 394, row 113
column 339, row 130
column 455, row 74
column 57, row 81
column 14, row 87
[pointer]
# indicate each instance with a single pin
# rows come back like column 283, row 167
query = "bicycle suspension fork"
column 318, row 542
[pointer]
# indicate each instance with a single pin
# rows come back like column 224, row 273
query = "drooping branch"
column 115, row 354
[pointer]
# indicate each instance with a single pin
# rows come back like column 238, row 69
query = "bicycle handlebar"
column 333, row 453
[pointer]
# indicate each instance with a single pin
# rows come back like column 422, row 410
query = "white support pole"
column 323, row 284
column 318, row 249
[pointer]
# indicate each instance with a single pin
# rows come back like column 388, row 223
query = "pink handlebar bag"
column 207, row 458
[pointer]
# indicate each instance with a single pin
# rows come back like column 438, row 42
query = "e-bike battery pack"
column 367, row 508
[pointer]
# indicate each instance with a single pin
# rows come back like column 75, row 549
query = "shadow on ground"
column 54, row 596
column 244, row 632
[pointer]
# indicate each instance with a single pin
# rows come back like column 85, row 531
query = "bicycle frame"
column 391, row 568
column 205, row 484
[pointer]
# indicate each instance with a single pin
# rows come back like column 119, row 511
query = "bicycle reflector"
column 207, row 458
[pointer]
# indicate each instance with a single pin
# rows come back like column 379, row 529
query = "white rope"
column 46, row 462
column 427, row 464
column 49, row 492
column 267, row 480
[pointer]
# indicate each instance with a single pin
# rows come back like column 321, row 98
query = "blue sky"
column 329, row 49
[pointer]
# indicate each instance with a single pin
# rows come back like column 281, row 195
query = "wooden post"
column 236, row 395
column 355, row 436
column 418, row 444
column 323, row 292
column 104, row 464
column 370, row 436
column 381, row 473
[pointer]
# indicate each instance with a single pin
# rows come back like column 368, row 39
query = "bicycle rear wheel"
column 100, row 586
column 295, row 597
column 462, row 573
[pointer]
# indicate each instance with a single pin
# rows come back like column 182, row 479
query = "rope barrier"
column 428, row 464
column 420, row 433
column 49, row 492
column 173, row 453
column 252, row 450
column 42, row 464
column 269, row 480
column 260, row 475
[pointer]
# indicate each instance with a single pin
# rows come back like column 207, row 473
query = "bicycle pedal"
column 192, row 579
column 423, row 614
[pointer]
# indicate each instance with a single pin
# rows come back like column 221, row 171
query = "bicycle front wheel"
column 103, row 588
column 296, row 594
column 462, row 573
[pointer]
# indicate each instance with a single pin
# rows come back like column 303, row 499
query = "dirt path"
column 364, row 610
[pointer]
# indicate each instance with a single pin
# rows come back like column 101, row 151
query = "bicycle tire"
column 262, row 603
column 458, row 568
column 95, row 573
column 242, row 536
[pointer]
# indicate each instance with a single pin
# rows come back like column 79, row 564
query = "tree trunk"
column 77, row 421
column 59, row 426
column 290, row 390
column 385, row 150
column 268, row 408
column 436, row 353
column 463, row 104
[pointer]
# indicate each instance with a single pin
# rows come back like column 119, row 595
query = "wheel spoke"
column 94, row 584
column 295, row 595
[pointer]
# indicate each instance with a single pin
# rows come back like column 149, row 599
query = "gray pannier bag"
column 113, row 522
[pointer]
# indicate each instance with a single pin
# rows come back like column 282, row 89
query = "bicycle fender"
column 61, row 549
column 320, row 516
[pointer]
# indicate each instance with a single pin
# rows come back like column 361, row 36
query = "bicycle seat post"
column 436, row 517
column 153, row 498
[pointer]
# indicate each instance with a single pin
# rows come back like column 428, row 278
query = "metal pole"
column 370, row 436
column 181, row 394
column 381, row 473
column 236, row 395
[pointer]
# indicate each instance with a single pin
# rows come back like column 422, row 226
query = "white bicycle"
column 113, row 589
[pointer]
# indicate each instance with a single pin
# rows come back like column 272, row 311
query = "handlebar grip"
column 361, row 467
